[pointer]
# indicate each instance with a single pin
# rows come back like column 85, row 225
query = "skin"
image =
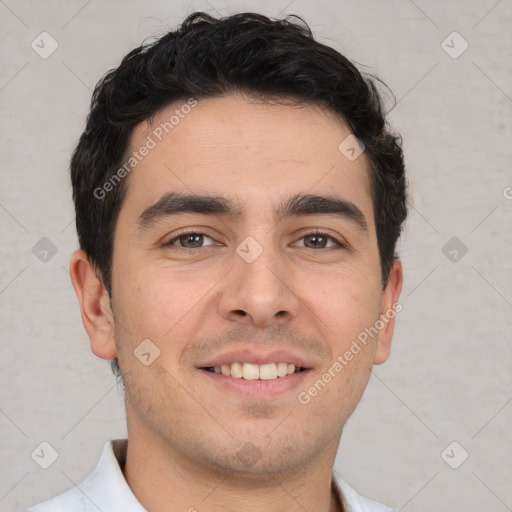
column 188, row 439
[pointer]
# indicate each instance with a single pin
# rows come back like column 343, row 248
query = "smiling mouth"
column 248, row 371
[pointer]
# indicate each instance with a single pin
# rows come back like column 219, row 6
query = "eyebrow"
column 174, row 203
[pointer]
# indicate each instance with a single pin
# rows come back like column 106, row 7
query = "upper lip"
column 256, row 356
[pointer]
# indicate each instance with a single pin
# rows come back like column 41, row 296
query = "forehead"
column 244, row 148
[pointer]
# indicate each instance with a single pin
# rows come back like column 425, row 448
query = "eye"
column 319, row 240
column 196, row 240
column 189, row 240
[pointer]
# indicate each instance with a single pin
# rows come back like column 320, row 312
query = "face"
column 274, row 264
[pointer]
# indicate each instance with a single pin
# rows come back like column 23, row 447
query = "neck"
column 162, row 478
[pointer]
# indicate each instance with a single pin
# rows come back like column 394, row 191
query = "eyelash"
column 170, row 243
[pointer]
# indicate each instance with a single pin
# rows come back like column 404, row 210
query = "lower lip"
column 257, row 388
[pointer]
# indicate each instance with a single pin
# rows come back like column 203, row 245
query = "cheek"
column 347, row 303
column 338, row 389
column 163, row 305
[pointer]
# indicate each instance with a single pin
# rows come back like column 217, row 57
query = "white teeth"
column 282, row 370
column 251, row 371
column 236, row 370
column 269, row 371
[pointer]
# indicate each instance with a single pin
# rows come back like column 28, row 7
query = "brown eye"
column 189, row 240
column 315, row 241
column 319, row 241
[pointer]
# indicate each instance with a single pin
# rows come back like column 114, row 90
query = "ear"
column 389, row 307
column 97, row 315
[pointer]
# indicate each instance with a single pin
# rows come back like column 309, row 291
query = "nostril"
column 241, row 312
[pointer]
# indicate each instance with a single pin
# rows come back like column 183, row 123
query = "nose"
column 260, row 293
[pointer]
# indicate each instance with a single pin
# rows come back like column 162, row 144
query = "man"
column 238, row 201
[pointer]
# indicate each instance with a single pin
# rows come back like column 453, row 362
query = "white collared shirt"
column 106, row 490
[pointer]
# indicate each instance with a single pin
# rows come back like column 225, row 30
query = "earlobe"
column 94, row 301
column 388, row 310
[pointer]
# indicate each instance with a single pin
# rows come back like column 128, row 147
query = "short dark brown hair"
column 209, row 57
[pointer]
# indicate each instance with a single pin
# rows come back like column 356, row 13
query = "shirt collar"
column 106, row 486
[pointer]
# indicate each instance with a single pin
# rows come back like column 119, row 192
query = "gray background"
column 449, row 376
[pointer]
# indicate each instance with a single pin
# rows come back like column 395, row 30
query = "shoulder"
column 70, row 501
column 104, row 489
